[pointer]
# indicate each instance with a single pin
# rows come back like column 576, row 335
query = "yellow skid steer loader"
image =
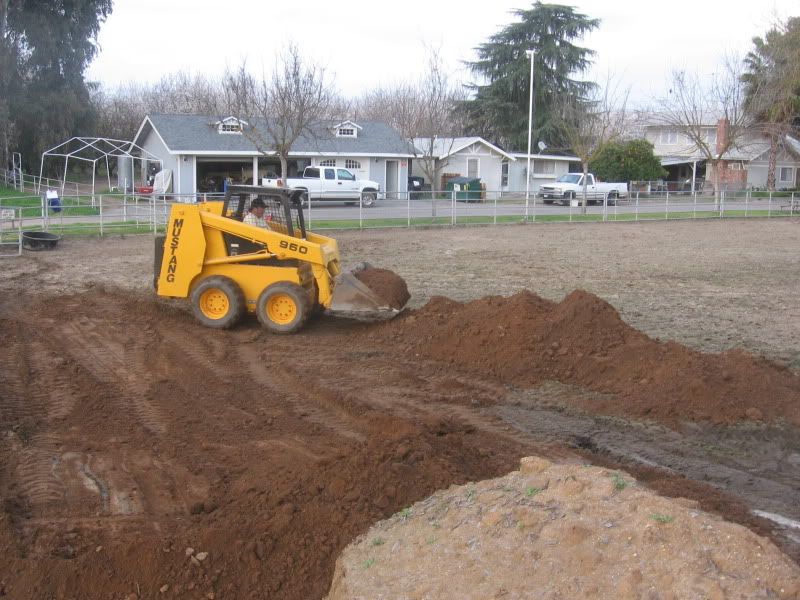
column 280, row 272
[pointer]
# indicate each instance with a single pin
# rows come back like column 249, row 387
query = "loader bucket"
column 352, row 299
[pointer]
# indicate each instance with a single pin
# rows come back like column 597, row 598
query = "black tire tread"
column 300, row 296
column 235, row 297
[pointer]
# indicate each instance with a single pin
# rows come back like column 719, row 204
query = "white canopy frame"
column 93, row 150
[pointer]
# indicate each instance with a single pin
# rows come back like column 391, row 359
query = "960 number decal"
column 293, row 247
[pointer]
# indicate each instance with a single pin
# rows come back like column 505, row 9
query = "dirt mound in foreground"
column 386, row 284
column 524, row 339
column 563, row 531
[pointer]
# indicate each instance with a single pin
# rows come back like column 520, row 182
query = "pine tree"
column 499, row 109
column 772, row 86
column 46, row 47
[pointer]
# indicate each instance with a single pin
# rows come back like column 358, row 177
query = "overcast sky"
column 367, row 43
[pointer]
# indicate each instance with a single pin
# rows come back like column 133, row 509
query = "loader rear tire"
column 283, row 307
column 218, row 302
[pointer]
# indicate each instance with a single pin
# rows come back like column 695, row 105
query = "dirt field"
column 130, row 434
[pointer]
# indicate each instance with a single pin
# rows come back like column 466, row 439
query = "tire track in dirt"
column 35, row 475
column 316, row 404
column 111, row 363
column 15, row 402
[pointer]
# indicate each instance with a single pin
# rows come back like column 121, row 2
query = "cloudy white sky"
column 366, row 43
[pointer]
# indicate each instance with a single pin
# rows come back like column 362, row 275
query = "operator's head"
column 257, row 207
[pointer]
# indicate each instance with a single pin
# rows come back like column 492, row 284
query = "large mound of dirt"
column 386, row 284
column 524, row 339
column 551, row 531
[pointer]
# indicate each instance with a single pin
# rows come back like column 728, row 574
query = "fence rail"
column 136, row 213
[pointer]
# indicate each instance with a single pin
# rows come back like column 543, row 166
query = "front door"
column 391, row 178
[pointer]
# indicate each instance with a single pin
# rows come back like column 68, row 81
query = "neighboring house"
column 202, row 151
column 545, row 168
column 464, row 156
column 743, row 166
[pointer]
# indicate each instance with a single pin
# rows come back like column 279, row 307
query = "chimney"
column 723, row 133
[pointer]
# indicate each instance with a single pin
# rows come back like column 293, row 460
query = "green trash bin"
column 467, row 189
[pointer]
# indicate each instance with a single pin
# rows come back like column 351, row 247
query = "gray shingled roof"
column 198, row 133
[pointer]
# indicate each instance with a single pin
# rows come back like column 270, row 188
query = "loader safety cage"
column 284, row 210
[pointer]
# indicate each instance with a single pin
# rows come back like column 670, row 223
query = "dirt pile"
column 386, row 284
column 563, row 531
column 129, row 435
column 524, row 339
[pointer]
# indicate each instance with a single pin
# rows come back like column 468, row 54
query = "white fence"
column 135, row 213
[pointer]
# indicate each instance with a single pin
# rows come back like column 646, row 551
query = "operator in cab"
column 255, row 216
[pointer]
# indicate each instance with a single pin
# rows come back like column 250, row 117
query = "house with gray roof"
column 202, row 151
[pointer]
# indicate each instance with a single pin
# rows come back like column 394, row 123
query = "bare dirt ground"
column 130, row 435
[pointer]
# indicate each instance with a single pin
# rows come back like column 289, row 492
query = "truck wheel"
column 283, row 307
column 547, row 201
column 218, row 302
column 612, row 197
column 368, row 198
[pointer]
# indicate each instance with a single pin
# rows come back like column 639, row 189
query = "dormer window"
column 347, row 129
column 230, row 125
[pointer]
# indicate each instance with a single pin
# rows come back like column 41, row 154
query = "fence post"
column 453, row 207
column 769, row 205
column 408, row 209
column 101, row 216
column 666, row 206
column 746, row 202
column 494, row 220
column 722, row 204
column 361, row 212
column 636, row 212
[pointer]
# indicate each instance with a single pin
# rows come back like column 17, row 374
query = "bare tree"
column 590, row 124
column 422, row 111
column 283, row 107
column 694, row 105
column 121, row 109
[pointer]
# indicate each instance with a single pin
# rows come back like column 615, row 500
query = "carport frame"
column 111, row 148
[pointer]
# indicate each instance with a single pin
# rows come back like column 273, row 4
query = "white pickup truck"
column 332, row 184
column 570, row 186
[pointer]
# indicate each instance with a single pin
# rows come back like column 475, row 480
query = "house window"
column 473, row 165
column 544, row 167
column 347, row 132
column 669, row 136
column 711, row 136
column 785, row 174
column 504, row 174
column 230, row 126
column 328, row 162
column 735, row 166
column 352, row 164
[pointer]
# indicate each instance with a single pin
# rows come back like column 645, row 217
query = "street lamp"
column 530, row 54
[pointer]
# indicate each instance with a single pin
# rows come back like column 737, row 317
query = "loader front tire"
column 283, row 307
column 218, row 302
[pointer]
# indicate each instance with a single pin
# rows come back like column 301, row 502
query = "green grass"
column 662, row 518
column 91, row 229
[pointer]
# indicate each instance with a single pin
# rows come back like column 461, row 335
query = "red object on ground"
column 145, row 189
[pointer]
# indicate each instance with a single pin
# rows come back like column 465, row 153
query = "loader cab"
column 283, row 207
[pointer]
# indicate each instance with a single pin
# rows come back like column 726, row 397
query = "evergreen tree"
column 46, row 47
column 627, row 161
column 772, row 86
column 499, row 109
